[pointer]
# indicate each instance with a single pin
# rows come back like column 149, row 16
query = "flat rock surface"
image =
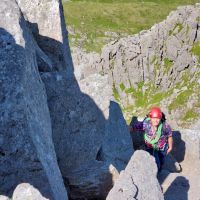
column 181, row 186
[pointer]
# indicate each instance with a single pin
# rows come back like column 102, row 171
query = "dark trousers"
column 158, row 155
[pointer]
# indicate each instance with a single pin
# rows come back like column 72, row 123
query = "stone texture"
column 159, row 59
column 92, row 180
column 186, row 146
column 25, row 191
column 138, row 180
column 89, row 131
column 27, row 151
column 3, row 197
column 46, row 20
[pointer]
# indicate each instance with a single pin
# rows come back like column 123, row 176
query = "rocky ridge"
column 159, row 66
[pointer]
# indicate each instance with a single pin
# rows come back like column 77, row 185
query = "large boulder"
column 46, row 21
column 25, row 191
column 138, row 180
column 89, row 132
column 2, row 197
column 26, row 148
column 186, row 147
column 92, row 180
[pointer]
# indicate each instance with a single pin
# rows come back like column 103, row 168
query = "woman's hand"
column 170, row 143
column 169, row 150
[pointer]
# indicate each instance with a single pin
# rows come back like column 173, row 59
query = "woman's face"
column 155, row 121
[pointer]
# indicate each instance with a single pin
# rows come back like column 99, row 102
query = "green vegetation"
column 116, row 94
column 180, row 100
column 190, row 115
column 196, row 49
column 177, row 27
column 129, row 90
column 122, row 87
column 91, row 19
column 168, row 64
column 143, row 100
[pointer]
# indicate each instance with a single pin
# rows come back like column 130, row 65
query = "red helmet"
column 155, row 112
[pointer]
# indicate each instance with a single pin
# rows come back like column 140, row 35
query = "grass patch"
column 116, row 94
column 95, row 17
column 156, row 98
column 122, row 86
column 129, row 90
column 190, row 115
column 196, row 50
column 168, row 64
column 177, row 27
column 180, row 100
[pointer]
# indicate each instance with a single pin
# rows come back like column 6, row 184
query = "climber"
column 157, row 135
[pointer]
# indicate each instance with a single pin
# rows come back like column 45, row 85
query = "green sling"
column 154, row 142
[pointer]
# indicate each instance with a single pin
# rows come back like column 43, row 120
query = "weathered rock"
column 155, row 62
column 87, row 128
column 138, row 180
column 25, row 191
column 46, row 20
column 84, row 63
column 26, row 148
column 124, row 188
column 93, row 179
column 3, row 197
column 186, row 146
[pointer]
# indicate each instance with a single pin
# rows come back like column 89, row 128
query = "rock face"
column 46, row 21
column 138, row 180
column 26, row 191
column 135, row 58
column 186, row 146
column 45, row 102
column 157, row 66
column 26, row 148
column 40, row 91
column 89, row 133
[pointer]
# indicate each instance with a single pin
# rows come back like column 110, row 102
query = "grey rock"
column 3, row 197
column 183, row 61
column 187, row 146
column 173, row 45
column 88, row 131
column 46, row 20
column 92, row 180
column 84, row 64
column 124, row 188
column 138, row 180
column 27, row 150
column 25, row 191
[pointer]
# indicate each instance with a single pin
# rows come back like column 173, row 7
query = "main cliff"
column 61, row 129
